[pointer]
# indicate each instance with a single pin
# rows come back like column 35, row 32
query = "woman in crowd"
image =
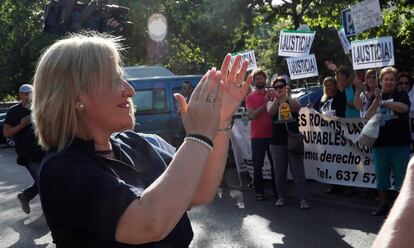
column 103, row 185
column 364, row 97
column 390, row 152
column 285, row 112
column 332, row 101
column 405, row 83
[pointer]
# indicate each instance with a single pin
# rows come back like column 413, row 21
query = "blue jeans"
column 261, row 146
column 31, row 192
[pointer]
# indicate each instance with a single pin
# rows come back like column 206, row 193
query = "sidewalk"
column 362, row 198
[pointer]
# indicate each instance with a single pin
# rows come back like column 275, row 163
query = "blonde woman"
column 332, row 101
column 103, row 185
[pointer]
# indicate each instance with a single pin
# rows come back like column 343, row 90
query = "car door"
column 153, row 107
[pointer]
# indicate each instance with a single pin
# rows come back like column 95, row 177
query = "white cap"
column 26, row 88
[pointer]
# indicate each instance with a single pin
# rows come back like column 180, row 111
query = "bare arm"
column 398, row 107
column 254, row 113
column 151, row 217
column 272, row 107
column 213, row 172
column 9, row 131
column 232, row 97
column 397, row 229
column 358, row 99
column 294, row 104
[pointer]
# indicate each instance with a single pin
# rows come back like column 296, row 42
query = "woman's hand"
column 202, row 113
column 330, row 65
column 233, row 86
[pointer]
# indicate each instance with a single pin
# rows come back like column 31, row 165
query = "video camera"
column 63, row 16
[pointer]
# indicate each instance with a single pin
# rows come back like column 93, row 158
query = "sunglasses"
column 402, row 82
column 279, row 86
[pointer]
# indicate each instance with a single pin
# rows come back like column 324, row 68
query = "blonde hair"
column 325, row 94
column 87, row 63
column 386, row 70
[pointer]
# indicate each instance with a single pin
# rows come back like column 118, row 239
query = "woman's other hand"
column 234, row 87
column 202, row 113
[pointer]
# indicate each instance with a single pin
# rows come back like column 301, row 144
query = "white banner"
column 302, row 67
column 249, row 55
column 294, row 43
column 372, row 53
column 242, row 151
column 366, row 15
column 344, row 41
column 330, row 155
column 331, row 152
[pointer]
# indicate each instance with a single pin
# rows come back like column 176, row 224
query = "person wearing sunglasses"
column 405, row 83
column 285, row 112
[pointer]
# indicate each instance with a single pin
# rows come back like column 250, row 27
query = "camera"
column 114, row 20
column 63, row 16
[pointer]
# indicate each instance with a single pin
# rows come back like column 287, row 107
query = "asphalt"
column 354, row 197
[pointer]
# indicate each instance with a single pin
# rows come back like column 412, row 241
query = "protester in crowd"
column 187, row 90
column 397, row 229
column 364, row 94
column 285, row 112
column 332, row 101
column 390, row 152
column 18, row 124
column 344, row 80
column 99, row 188
column 260, row 129
column 405, row 82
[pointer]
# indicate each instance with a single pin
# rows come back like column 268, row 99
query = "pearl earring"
column 81, row 106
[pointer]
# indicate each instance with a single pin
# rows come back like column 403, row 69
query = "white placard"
column 294, row 43
column 344, row 41
column 372, row 53
column 302, row 67
column 366, row 15
column 249, row 55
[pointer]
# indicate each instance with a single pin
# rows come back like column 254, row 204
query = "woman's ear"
column 79, row 102
column 79, row 105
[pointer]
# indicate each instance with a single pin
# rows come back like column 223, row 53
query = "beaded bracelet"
column 210, row 148
column 201, row 137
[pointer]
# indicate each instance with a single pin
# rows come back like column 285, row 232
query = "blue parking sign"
column 347, row 22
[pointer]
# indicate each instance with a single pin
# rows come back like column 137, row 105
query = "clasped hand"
column 215, row 98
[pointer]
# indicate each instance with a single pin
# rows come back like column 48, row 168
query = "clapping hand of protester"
column 25, row 121
column 202, row 113
column 358, row 84
column 234, row 87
